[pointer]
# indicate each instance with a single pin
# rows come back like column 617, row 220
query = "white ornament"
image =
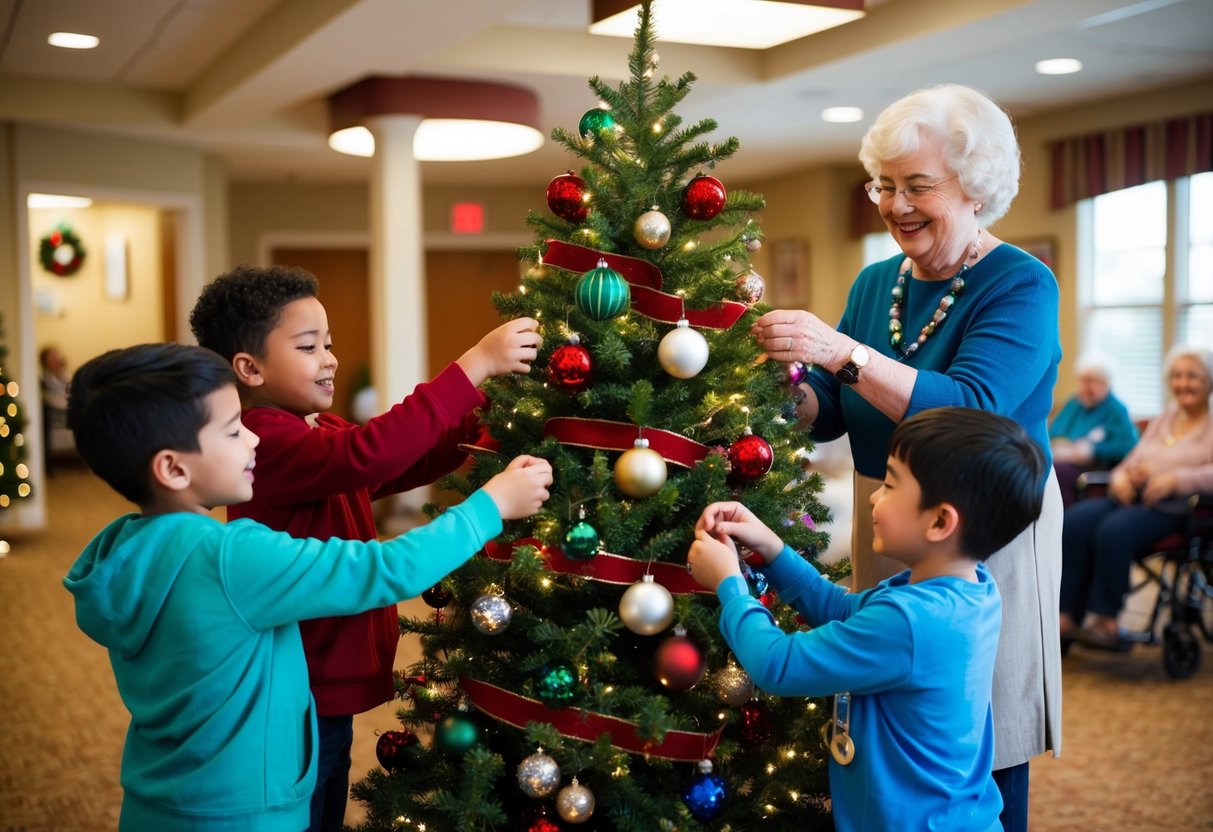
column 647, row 607
column 640, row 472
column 538, row 775
column 491, row 614
column 575, row 803
column 652, row 229
column 683, row 352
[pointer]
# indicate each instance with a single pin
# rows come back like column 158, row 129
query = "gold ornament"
column 640, row 472
column 575, row 803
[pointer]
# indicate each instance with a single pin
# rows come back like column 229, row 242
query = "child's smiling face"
column 296, row 372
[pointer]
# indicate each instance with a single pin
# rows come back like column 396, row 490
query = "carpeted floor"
column 1138, row 745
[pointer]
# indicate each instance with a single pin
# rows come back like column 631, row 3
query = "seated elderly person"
column 1101, row 536
column 1092, row 431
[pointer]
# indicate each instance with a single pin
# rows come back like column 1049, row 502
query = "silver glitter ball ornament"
column 575, row 803
column 538, row 775
column 750, row 286
column 732, row 685
column 491, row 614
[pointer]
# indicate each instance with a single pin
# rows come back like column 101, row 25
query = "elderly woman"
column 1093, row 430
column 1101, row 536
column 961, row 318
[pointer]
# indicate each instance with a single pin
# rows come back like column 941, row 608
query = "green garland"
column 61, row 251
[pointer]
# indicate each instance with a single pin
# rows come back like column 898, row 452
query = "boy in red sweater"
column 317, row 473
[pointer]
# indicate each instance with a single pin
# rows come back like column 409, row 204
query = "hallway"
column 1138, row 745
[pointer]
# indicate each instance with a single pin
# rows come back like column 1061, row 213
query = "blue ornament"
column 760, row 582
column 706, row 795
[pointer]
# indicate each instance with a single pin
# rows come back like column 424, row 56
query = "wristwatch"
column 849, row 373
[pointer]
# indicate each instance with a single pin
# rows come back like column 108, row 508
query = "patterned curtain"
column 1087, row 166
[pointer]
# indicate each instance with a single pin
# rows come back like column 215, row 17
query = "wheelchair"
column 1180, row 565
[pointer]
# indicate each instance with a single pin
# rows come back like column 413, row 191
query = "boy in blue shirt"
column 200, row 617
column 913, row 657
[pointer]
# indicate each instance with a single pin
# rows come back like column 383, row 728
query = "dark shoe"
column 1101, row 640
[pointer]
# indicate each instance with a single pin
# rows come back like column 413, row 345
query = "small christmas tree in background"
column 573, row 675
column 14, row 473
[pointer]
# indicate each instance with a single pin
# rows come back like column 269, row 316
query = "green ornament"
column 556, row 685
column 595, row 121
column 581, row 542
column 456, row 734
column 602, row 293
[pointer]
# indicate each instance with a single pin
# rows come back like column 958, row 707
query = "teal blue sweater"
column 998, row 350
column 200, row 620
column 1107, row 425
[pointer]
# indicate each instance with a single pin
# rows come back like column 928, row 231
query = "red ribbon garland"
column 604, row 567
column 645, row 280
column 621, row 436
column 515, row 710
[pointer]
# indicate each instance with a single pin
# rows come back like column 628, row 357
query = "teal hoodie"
column 199, row 618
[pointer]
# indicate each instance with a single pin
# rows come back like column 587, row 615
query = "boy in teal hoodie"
column 200, row 617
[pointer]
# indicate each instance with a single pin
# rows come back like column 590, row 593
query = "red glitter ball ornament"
column 566, row 197
column 538, row 819
column 678, row 662
column 750, row 457
column 703, row 198
column 757, row 725
column 392, row 748
column 570, row 367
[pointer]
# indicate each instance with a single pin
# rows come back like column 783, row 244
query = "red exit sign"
column 467, row 218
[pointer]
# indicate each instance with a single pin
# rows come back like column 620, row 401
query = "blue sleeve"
column 808, row 591
column 1006, row 350
column 1121, row 434
column 274, row 579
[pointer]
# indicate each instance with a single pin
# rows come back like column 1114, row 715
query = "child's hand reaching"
column 725, row 521
column 710, row 561
column 521, row 488
column 510, row 348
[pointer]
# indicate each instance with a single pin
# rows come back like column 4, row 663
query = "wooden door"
column 459, row 308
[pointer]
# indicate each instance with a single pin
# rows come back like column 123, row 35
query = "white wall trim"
column 433, row 241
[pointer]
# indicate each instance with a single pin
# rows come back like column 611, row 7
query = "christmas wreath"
column 61, row 252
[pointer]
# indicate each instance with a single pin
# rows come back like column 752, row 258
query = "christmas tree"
column 574, row 676
column 14, row 473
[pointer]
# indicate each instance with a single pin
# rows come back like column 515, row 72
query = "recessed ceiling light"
column 841, row 115
column 1059, row 66
column 73, row 40
column 57, row 201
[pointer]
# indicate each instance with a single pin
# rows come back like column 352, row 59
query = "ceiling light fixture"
column 744, row 24
column 1059, row 66
column 462, row 120
column 57, row 201
column 841, row 115
column 73, row 40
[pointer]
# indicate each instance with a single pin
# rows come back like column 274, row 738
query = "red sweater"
column 319, row 482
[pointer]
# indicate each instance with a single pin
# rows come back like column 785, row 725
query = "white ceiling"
column 247, row 79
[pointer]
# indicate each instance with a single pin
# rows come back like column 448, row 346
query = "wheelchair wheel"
column 1194, row 597
column 1180, row 651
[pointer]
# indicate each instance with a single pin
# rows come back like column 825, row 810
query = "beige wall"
column 76, row 313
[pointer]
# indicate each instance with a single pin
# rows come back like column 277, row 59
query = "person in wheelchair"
column 1093, row 429
column 1146, row 500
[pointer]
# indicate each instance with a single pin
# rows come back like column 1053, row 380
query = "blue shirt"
column 997, row 350
column 1107, row 426
column 918, row 660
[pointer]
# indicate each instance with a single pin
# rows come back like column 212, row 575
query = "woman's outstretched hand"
column 789, row 335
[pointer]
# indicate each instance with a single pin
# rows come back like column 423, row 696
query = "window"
column 1146, row 281
column 879, row 246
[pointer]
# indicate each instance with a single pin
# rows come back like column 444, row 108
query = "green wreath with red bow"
column 61, row 251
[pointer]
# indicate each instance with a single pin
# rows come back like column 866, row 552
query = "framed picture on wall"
column 1043, row 249
column 789, row 283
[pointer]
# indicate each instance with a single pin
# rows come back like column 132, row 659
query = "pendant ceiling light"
column 746, row 24
column 462, row 120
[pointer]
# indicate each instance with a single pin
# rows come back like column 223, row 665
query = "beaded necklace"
column 896, row 335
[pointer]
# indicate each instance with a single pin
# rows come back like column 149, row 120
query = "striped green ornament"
column 602, row 293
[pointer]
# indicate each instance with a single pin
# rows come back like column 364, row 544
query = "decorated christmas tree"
column 14, row 473
column 573, row 675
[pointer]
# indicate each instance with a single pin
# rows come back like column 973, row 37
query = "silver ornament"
column 732, row 685
column 647, row 607
column 575, row 803
column 538, row 775
column 652, row 229
column 753, row 244
column 683, row 352
column 750, row 286
column 491, row 614
column 640, row 472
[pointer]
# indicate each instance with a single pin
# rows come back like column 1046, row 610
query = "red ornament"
column 750, row 457
column 569, row 367
column 678, row 662
column 566, row 197
column 768, row 599
column 392, row 748
column 56, row 237
column 703, row 198
column 757, row 725
column 537, row 818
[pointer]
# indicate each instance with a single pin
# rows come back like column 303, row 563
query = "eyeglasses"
column 912, row 193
